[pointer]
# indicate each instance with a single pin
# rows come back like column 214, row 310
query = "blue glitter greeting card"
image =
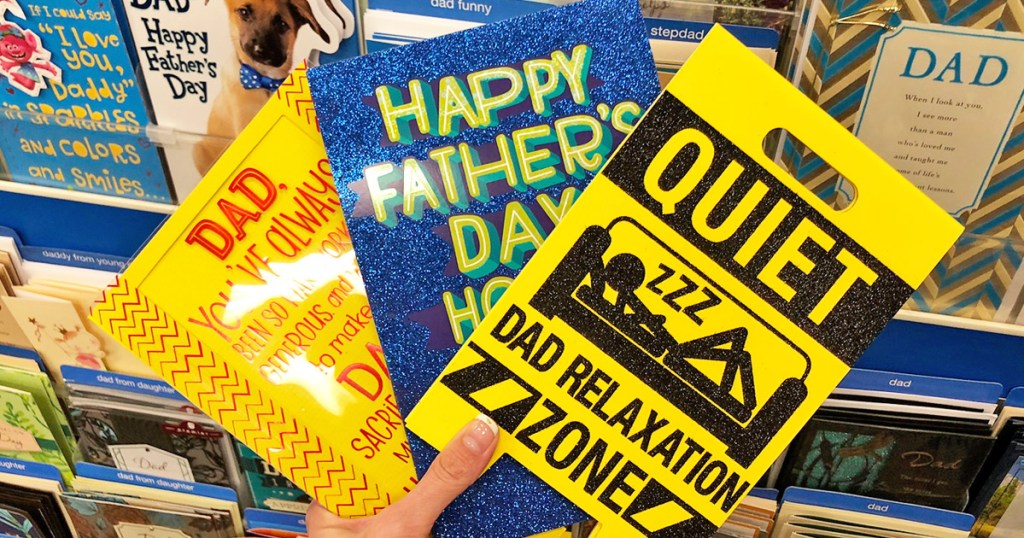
column 454, row 159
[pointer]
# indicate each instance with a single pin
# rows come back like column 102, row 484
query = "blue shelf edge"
column 946, row 346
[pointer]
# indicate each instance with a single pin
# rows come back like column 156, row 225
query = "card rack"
column 44, row 213
column 915, row 342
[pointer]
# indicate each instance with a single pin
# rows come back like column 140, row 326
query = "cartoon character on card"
column 76, row 343
column 24, row 61
column 269, row 38
column 13, row 7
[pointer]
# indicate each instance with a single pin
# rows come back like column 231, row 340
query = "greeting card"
column 210, row 66
column 56, row 331
column 272, row 336
column 175, row 445
column 270, row 489
column 70, row 104
column 35, row 488
column 25, row 434
column 144, row 490
column 934, row 87
column 11, row 333
column 39, row 386
column 96, row 516
column 912, row 465
column 115, row 356
column 683, row 322
column 29, row 512
column 16, row 522
column 454, row 159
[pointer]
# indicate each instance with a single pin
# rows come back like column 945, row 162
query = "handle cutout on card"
column 826, row 183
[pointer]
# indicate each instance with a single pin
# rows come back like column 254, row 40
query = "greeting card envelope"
column 10, row 331
column 18, row 363
column 249, row 302
column 694, row 308
column 7, row 261
column 6, row 284
column 454, row 159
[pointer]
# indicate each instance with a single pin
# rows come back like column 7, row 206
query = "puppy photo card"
column 210, row 65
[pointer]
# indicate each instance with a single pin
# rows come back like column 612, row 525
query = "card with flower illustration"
column 39, row 386
column 24, row 434
column 56, row 331
column 116, row 357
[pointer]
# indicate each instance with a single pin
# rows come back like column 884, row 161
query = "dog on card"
column 264, row 35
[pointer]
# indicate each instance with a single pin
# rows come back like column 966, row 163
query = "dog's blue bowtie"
column 252, row 80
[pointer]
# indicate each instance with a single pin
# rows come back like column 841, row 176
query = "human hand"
column 454, row 470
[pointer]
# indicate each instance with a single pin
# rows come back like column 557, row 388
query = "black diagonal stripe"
column 655, row 494
column 487, row 373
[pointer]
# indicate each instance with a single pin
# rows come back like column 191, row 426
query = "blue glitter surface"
column 407, row 267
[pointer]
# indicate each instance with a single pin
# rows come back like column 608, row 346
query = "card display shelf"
column 64, row 218
column 948, row 346
column 914, row 342
column 85, row 197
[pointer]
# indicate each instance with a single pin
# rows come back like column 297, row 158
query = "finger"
column 454, row 470
column 322, row 523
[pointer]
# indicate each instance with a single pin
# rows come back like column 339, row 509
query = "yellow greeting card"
column 249, row 301
column 694, row 308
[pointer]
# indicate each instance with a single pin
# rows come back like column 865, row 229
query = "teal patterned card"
column 270, row 489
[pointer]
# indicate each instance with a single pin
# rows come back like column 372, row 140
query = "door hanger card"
column 695, row 307
column 249, row 302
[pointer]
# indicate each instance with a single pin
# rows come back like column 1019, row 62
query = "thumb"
column 454, row 470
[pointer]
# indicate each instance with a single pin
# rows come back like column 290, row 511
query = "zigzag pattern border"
column 294, row 93
column 222, row 393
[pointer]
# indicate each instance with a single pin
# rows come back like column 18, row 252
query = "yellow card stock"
column 250, row 303
column 694, row 308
